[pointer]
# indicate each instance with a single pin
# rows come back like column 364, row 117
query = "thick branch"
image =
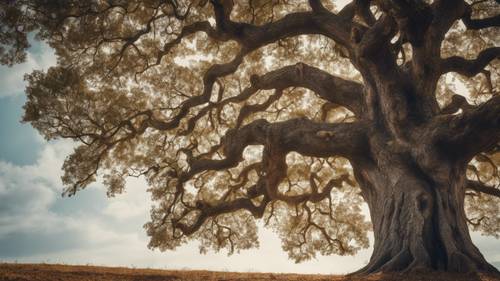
column 446, row 13
column 413, row 18
column 252, row 36
column 474, row 131
column 470, row 67
column 233, row 143
column 364, row 12
column 482, row 23
column 471, row 23
column 425, row 57
column 334, row 89
column 317, row 6
column 331, row 88
column 480, row 187
column 376, row 38
column 321, row 139
column 301, row 135
column 457, row 102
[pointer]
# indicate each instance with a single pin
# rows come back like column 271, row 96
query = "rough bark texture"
column 413, row 178
column 418, row 217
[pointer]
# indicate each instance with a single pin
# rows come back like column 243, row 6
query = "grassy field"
column 50, row 272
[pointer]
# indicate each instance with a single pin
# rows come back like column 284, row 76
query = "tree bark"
column 418, row 215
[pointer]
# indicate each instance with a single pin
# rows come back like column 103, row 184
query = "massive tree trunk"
column 418, row 220
column 413, row 172
column 414, row 184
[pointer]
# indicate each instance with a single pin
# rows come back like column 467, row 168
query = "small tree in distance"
column 293, row 112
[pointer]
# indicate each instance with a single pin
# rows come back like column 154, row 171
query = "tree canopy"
column 238, row 110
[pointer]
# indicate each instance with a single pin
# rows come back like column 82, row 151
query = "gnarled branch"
column 301, row 135
column 470, row 67
column 329, row 87
column 252, row 36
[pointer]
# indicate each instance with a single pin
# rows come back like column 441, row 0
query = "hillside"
column 52, row 272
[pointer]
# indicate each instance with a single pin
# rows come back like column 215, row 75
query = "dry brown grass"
column 52, row 272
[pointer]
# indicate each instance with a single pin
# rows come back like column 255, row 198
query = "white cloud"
column 11, row 78
column 133, row 203
column 27, row 192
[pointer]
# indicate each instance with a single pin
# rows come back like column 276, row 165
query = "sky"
column 38, row 225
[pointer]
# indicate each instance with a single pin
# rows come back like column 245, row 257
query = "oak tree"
column 293, row 112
